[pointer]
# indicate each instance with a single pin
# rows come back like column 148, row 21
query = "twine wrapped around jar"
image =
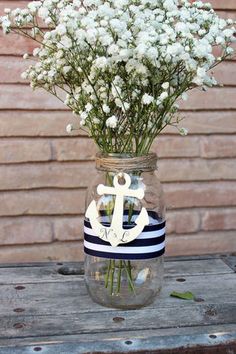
column 126, row 163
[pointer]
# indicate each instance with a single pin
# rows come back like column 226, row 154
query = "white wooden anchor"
column 115, row 234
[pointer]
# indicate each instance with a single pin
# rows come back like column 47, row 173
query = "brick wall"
column 44, row 172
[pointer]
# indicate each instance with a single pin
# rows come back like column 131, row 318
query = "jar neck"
column 126, row 162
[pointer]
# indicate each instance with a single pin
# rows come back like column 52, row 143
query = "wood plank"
column 58, row 316
column 91, row 322
column 43, row 341
column 48, row 273
column 196, row 344
column 70, row 297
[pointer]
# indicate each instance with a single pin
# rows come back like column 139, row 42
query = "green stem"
column 129, row 276
column 107, row 274
column 119, row 277
column 112, row 276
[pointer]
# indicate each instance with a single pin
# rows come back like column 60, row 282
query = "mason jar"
column 124, row 269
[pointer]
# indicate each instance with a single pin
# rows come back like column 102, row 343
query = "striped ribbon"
column 149, row 244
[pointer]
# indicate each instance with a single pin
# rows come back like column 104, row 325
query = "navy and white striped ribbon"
column 149, row 244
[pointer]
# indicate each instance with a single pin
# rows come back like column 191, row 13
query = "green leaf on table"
column 187, row 295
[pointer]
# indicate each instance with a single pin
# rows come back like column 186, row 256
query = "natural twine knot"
column 125, row 162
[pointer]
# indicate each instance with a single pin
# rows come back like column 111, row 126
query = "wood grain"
column 40, row 308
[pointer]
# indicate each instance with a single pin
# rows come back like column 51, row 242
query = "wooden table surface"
column 45, row 308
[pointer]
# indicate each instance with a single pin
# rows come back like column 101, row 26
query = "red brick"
column 68, row 229
column 25, row 230
column 218, row 146
column 191, row 244
column 49, row 123
column 214, row 98
column 196, row 170
column 11, row 69
column 23, row 97
column 24, row 150
column 226, row 14
column 56, row 251
column 60, row 175
column 225, row 73
column 74, row 149
column 176, row 146
column 14, row 44
column 42, row 202
column 219, row 219
column 207, row 122
column 201, row 194
column 20, row 123
column 13, row 4
column 201, row 243
column 81, row 174
column 219, row 4
column 182, row 222
column 18, row 97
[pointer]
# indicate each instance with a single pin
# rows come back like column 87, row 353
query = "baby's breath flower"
column 105, row 108
column 24, row 75
column 122, row 70
column 165, row 85
column 69, row 128
column 163, row 96
column 183, row 131
column 111, row 122
column 147, row 99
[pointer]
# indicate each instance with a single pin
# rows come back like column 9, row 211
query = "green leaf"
column 187, row 295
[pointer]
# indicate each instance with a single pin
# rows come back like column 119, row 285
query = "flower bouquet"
column 122, row 67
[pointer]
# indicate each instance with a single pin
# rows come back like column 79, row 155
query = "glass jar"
column 126, row 274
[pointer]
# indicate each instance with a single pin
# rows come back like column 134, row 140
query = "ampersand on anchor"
column 115, row 234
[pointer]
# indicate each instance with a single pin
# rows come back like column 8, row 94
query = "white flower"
column 61, row 29
column 83, row 115
column 113, row 56
column 33, row 6
column 7, row 10
column 111, row 122
column 77, row 3
column 69, row 128
column 65, row 42
column 163, row 96
column 66, row 69
column 43, row 12
column 184, row 96
column 165, row 85
column 100, row 62
column 88, row 107
column 229, row 50
column 24, row 75
column 183, row 131
column 105, row 108
column 26, row 56
column 96, row 121
column 36, row 51
column 147, row 99
column 6, row 24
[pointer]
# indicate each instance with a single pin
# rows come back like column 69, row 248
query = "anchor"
column 115, row 234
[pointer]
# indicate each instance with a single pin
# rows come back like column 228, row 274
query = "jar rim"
column 126, row 162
